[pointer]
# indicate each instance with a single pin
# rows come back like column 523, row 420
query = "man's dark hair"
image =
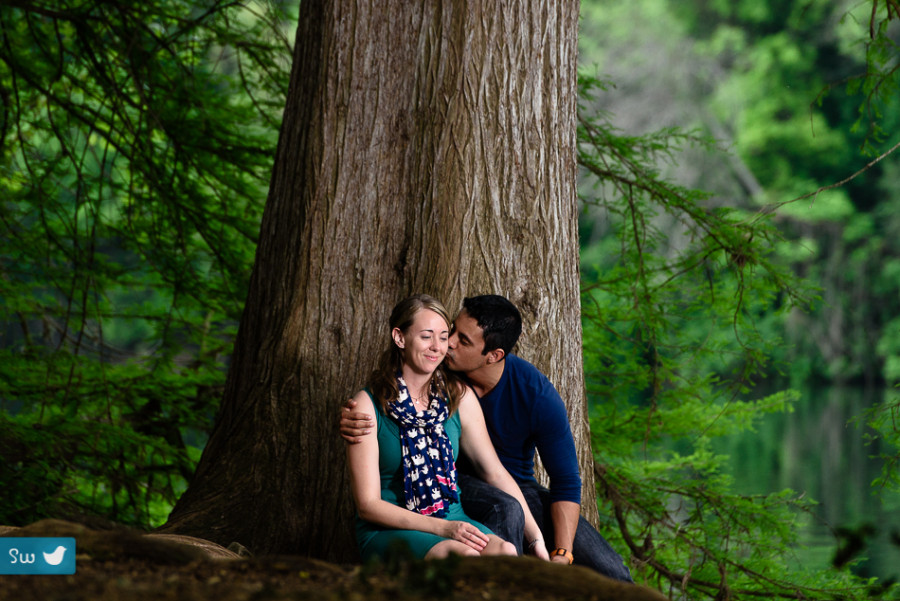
column 498, row 318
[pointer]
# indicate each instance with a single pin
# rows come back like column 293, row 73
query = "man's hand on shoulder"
column 354, row 424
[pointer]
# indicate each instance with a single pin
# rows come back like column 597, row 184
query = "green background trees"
column 137, row 143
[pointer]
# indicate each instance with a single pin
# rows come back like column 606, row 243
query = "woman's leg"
column 495, row 546
column 448, row 547
column 498, row 546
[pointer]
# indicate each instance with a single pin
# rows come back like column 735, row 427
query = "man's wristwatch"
column 564, row 553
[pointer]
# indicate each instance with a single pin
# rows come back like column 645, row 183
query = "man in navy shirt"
column 523, row 412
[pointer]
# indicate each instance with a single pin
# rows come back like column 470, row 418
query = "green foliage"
column 878, row 83
column 803, row 99
column 810, row 94
column 885, row 420
column 136, row 145
column 675, row 298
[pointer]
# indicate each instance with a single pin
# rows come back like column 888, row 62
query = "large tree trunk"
column 426, row 147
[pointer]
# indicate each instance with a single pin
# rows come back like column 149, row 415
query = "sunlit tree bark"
column 426, row 147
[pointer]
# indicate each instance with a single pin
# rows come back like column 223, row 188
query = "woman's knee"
column 507, row 548
column 498, row 546
column 449, row 547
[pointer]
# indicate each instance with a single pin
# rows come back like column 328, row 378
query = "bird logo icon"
column 55, row 558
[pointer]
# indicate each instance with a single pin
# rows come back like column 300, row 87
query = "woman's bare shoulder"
column 363, row 400
column 468, row 402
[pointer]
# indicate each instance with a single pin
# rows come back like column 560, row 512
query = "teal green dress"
column 374, row 540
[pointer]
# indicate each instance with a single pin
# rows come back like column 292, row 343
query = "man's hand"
column 559, row 559
column 354, row 424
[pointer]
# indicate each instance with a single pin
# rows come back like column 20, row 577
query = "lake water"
column 818, row 451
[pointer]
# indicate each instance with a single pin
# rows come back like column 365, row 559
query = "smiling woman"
column 423, row 346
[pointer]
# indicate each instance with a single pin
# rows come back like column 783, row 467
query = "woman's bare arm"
column 365, row 482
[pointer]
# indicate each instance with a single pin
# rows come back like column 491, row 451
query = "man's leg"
column 597, row 554
column 589, row 547
column 494, row 508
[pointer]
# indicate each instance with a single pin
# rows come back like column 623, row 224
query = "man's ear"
column 495, row 356
column 397, row 335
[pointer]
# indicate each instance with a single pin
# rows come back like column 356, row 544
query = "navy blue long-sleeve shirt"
column 523, row 412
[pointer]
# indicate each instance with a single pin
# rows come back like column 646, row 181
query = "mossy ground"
column 122, row 565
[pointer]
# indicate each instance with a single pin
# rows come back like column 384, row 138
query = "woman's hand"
column 465, row 532
column 539, row 550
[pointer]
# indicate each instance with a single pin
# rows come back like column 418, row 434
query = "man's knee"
column 511, row 510
column 507, row 520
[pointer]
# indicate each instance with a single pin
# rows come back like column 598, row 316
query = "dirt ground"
column 120, row 566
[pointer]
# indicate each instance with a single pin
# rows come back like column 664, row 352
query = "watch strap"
column 563, row 553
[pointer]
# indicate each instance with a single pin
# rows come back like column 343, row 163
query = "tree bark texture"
column 426, row 147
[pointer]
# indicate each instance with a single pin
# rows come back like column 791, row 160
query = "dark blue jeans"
column 503, row 514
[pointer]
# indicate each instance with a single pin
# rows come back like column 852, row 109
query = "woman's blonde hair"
column 383, row 382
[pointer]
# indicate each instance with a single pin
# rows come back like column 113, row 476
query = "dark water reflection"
column 820, row 451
